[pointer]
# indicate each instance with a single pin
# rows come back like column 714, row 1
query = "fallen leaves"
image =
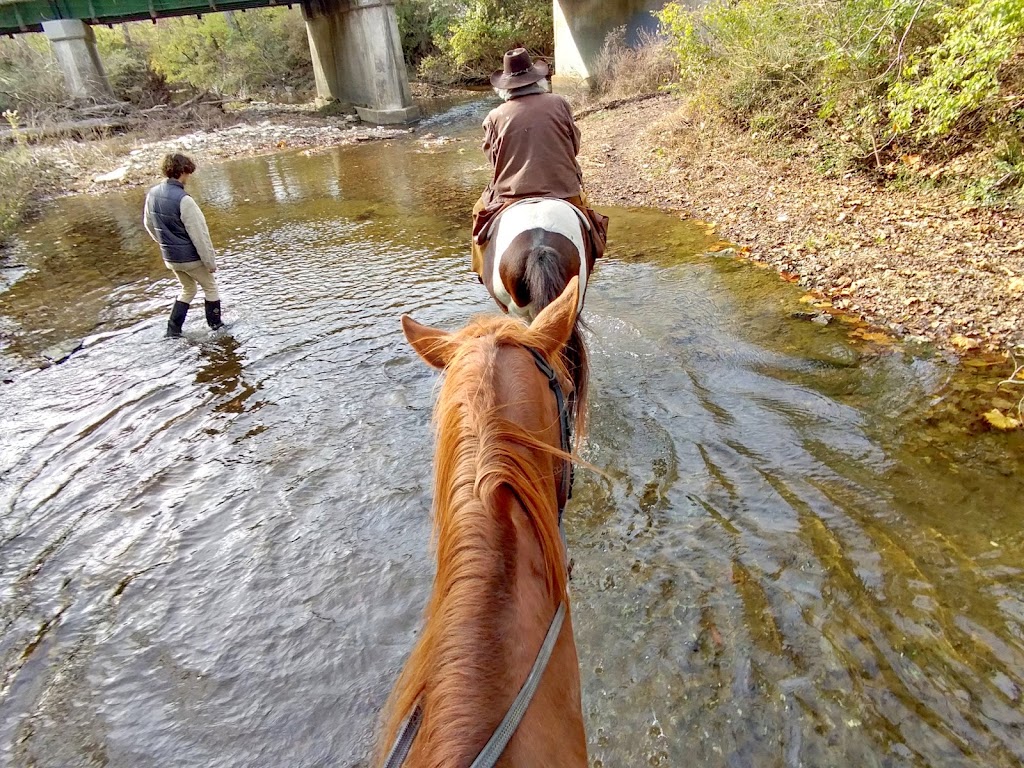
column 878, row 337
column 999, row 420
column 963, row 343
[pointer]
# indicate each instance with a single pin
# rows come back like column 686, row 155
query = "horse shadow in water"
column 494, row 675
column 535, row 247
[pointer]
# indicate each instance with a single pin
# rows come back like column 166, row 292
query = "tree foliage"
column 960, row 74
column 469, row 37
column 865, row 76
column 234, row 54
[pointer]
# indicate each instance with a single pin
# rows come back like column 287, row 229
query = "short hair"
column 507, row 93
column 175, row 165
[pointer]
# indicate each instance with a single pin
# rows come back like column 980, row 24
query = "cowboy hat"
column 519, row 70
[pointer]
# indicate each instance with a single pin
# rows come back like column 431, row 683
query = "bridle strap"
column 491, row 752
column 406, row 735
column 568, row 471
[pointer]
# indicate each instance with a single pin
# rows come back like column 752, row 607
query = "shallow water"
column 214, row 550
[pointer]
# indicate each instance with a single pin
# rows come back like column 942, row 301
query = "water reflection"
column 215, row 550
column 221, row 370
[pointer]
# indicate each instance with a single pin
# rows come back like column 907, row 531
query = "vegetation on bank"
column 895, row 87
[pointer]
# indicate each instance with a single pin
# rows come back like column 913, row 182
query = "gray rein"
column 494, row 747
column 492, row 750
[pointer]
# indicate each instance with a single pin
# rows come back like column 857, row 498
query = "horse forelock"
column 456, row 668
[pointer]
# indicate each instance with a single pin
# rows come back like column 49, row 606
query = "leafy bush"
column 124, row 51
column 960, row 74
column 871, row 80
column 790, row 63
column 420, row 22
column 234, row 54
column 477, row 34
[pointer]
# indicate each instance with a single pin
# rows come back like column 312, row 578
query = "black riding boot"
column 177, row 319
column 213, row 315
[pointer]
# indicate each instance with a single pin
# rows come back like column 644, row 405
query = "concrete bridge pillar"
column 581, row 27
column 357, row 58
column 74, row 44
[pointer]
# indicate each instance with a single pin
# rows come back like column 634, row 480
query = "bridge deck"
column 28, row 15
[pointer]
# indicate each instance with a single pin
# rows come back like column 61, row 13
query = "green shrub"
column 234, row 54
column 476, row 37
column 420, row 22
column 960, row 74
column 791, row 63
column 125, row 51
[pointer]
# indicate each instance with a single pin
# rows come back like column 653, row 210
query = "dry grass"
column 626, row 71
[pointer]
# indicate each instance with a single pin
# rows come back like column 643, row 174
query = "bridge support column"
column 580, row 30
column 74, row 44
column 357, row 58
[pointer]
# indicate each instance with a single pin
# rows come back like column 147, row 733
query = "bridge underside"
column 354, row 45
column 28, row 15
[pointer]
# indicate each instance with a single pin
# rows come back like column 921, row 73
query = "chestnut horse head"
column 501, row 565
column 535, row 247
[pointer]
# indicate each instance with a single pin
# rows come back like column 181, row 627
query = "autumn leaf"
column 963, row 343
column 878, row 338
column 720, row 245
column 808, row 298
column 999, row 420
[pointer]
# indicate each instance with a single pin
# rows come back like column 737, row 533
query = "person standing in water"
column 173, row 219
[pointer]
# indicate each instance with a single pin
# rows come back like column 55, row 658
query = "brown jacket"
column 532, row 142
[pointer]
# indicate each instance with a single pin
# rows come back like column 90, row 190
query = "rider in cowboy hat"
column 531, row 141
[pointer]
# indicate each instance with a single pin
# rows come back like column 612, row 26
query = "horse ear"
column 553, row 326
column 432, row 344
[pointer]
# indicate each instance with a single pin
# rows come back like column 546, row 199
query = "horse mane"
column 459, row 677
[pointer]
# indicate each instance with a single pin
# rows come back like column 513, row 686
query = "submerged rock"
column 58, row 353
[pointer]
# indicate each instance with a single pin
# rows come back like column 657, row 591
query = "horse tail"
column 546, row 277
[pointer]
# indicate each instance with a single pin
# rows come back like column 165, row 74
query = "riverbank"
column 913, row 261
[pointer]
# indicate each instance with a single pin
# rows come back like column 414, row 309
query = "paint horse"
column 535, row 246
column 494, row 677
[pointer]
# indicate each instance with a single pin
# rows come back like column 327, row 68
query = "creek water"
column 214, row 551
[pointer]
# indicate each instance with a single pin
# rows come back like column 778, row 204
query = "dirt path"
column 919, row 264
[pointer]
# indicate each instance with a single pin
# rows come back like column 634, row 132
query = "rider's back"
column 532, row 142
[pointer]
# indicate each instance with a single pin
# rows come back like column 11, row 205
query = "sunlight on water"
column 214, row 551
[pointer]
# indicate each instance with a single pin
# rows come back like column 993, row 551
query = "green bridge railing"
column 28, row 15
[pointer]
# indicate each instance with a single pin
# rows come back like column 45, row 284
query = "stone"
column 115, row 175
